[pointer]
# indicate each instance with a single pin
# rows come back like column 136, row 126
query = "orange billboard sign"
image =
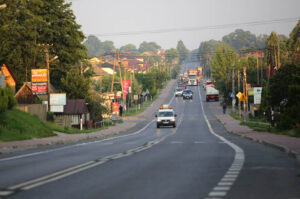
column 39, row 75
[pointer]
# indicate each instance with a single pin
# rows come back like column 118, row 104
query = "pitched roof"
column 75, row 106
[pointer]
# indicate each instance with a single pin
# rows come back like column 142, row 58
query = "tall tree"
column 149, row 46
column 240, row 39
column 273, row 50
column 129, row 48
column 182, row 50
column 171, row 54
column 294, row 43
column 223, row 62
column 27, row 26
column 93, row 45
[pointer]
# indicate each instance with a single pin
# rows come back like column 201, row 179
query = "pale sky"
column 106, row 17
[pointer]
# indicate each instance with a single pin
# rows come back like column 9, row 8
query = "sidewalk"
column 118, row 129
column 290, row 145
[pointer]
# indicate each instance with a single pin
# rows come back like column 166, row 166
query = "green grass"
column 18, row 125
column 261, row 125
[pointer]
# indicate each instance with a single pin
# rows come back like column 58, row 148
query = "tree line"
column 277, row 72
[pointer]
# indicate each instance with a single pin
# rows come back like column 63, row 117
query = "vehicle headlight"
column 159, row 120
column 172, row 120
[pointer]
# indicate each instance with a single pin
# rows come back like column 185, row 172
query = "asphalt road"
column 198, row 159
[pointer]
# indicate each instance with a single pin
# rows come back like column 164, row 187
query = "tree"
column 27, row 25
column 182, row 50
column 171, row 54
column 96, row 47
column 240, row 39
column 273, row 50
column 223, row 62
column 129, row 48
column 149, row 46
column 76, row 85
column 293, row 43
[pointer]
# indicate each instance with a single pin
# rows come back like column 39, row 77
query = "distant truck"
column 199, row 74
column 192, row 77
column 212, row 93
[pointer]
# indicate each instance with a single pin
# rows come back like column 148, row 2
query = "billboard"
column 39, row 75
column 257, row 95
column 58, row 99
column 39, row 88
column 126, row 84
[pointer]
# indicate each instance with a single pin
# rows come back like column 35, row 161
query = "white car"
column 178, row 92
column 165, row 116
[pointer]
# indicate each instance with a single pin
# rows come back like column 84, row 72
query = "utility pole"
column 239, row 88
column 245, row 94
column 120, row 72
column 233, row 92
column 257, row 69
column 46, row 50
column 101, row 74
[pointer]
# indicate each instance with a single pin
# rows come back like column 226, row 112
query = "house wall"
column 39, row 110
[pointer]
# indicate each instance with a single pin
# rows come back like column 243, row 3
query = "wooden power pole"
column 239, row 88
column 245, row 94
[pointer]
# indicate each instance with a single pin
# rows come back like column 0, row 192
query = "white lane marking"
column 220, row 188
column 49, row 176
column 239, row 156
column 199, row 142
column 225, row 183
column 176, row 142
column 5, row 193
column 80, row 144
column 217, row 193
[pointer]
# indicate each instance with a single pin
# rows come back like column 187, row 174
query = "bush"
column 7, row 99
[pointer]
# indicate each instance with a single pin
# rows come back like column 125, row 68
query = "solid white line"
column 5, row 193
column 49, row 176
column 239, row 153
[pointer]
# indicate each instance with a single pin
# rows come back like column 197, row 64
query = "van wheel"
column 157, row 126
column 174, row 125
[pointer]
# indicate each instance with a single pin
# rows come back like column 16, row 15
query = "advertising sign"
column 250, row 92
column 39, row 88
column 126, row 84
column 56, row 109
column 58, row 99
column 115, row 109
column 257, row 95
column 135, row 97
column 39, row 75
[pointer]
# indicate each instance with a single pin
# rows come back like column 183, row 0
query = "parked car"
column 187, row 94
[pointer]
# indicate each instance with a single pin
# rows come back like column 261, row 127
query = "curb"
column 282, row 148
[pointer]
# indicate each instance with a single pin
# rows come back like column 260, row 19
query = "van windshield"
column 165, row 114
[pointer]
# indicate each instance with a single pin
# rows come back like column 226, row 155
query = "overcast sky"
column 191, row 21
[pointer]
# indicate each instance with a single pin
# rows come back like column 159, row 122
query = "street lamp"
column 2, row 6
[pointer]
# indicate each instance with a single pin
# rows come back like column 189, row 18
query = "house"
column 25, row 95
column 10, row 78
column 74, row 111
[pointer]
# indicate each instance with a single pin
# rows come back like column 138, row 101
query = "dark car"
column 187, row 94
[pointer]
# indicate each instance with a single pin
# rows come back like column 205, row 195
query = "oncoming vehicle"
column 178, row 92
column 187, row 94
column 165, row 116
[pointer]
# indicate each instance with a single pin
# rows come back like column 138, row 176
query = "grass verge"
column 260, row 125
column 18, row 125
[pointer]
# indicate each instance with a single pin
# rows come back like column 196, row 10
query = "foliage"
column 95, row 107
column 223, row 63
column 182, row 50
column 76, row 85
column 149, row 46
column 147, row 81
column 273, row 49
column 96, row 47
column 240, row 39
column 26, row 25
column 136, row 87
column 171, row 55
column 129, row 48
column 293, row 43
column 7, row 99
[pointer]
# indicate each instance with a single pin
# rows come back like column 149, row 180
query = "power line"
column 183, row 29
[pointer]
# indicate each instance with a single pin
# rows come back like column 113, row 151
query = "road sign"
column 257, row 95
column 135, row 97
column 241, row 96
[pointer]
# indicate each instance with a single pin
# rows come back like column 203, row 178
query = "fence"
column 40, row 110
